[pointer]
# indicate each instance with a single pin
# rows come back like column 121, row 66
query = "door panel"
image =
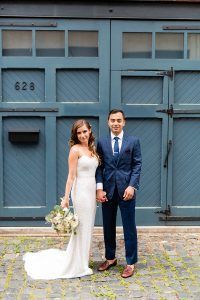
column 24, row 167
column 187, row 87
column 23, row 85
column 183, row 173
column 78, row 86
column 186, row 163
column 142, row 90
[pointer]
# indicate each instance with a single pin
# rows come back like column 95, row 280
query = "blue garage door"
column 155, row 80
column 52, row 74
column 57, row 71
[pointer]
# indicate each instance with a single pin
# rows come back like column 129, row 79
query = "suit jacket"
column 123, row 172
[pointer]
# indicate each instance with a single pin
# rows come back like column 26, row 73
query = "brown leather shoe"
column 106, row 265
column 128, row 272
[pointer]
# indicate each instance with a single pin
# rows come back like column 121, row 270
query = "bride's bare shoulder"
column 75, row 150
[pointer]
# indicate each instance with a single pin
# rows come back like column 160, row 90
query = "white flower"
column 62, row 220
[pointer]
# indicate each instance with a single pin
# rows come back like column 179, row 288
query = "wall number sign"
column 24, row 86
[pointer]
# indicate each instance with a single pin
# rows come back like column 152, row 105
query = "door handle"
column 168, row 152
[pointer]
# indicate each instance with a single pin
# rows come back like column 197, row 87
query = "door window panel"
column 83, row 43
column 137, row 45
column 169, row 45
column 17, row 42
column 194, row 45
column 50, row 43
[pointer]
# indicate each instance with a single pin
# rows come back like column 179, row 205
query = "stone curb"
column 48, row 231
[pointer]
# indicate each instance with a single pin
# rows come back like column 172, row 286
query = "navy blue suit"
column 116, row 175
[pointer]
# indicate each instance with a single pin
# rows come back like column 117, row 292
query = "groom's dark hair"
column 115, row 111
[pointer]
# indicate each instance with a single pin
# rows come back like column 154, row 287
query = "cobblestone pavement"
column 168, row 268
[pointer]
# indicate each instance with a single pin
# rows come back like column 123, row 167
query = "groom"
column 117, row 181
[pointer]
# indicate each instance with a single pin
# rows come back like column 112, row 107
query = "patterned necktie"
column 116, row 147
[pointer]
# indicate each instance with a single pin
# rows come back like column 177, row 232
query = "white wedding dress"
column 74, row 261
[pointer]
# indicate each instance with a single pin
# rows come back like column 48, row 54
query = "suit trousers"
column 127, row 209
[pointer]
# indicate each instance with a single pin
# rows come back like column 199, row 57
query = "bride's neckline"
column 86, row 156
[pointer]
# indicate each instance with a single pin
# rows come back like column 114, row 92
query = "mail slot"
column 23, row 136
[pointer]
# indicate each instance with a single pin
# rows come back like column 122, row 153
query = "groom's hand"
column 101, row 196
column 129, row 193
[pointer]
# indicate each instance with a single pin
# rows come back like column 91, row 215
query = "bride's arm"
column 72, row 165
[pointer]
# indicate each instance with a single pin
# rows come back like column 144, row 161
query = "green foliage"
column 105, row 291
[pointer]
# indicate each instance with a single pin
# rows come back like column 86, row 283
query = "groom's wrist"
column 99, row 186
column 133, row 187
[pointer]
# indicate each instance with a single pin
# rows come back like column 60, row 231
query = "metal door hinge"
column 169, row 111
column 166, row 212
column 169, row 73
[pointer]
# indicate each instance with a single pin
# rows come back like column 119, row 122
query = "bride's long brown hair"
column 74, row 139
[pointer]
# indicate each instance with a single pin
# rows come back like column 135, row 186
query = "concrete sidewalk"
column 168, row 267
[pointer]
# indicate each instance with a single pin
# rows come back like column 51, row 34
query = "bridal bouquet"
column 62, row 220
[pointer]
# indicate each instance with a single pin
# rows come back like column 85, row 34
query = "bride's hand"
column 64, row 202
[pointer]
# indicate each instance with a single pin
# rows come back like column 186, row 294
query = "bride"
column 73, row 262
